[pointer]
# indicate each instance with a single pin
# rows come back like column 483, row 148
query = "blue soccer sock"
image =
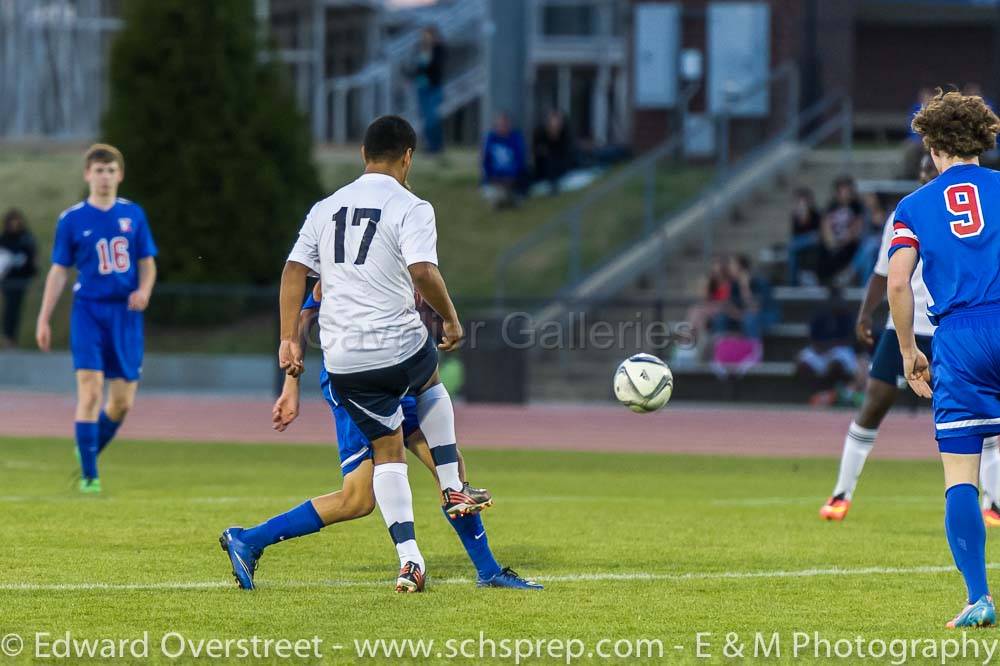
column 300, row 521
column 86, row 444
column 963, row 523
column 106, row 430
column 472, row 533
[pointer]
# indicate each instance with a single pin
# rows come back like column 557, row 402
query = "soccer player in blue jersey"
column 107, row 239
column 951, row 225
column 886, row 369
column 357, row 497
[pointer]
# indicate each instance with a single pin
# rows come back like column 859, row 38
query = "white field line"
column 72, row 496
column 570, row 578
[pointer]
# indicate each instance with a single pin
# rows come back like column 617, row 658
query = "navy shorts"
column 887, row 362
column 373, row 398
column 353, row 446
column 106, row 336
column 966, row 379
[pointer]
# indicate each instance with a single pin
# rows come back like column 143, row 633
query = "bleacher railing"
column 633, row 204
column 565, row 244
column 381, row 86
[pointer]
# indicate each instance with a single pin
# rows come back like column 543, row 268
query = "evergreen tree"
column 215, row 148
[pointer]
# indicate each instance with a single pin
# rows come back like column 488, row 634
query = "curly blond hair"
column 957, row 125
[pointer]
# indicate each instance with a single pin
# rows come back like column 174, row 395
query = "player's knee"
column 359, row 505
column 879, row 399
column 389, row 451
column 89, row 399
column 118, row 408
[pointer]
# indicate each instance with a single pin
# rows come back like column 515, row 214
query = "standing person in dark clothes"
column 429, row 80
column 805, row 238
column 20, row 243
column 840, row 230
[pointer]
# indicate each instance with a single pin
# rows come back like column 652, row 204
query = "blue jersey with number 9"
column 105, row 246
column 954, row 223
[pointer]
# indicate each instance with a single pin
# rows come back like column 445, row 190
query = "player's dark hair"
column 844, row 180
column 103, row 153
column 957, row 125
column 388, row 138
column 11, row 216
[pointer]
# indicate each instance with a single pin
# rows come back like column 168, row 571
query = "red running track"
column 742, row 430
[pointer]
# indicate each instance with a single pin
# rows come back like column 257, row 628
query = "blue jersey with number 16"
column 104, row 246
column 954, row 223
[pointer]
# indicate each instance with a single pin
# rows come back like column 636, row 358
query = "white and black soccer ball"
column 643, row 383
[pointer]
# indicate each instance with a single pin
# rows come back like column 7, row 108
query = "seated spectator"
column 829, row 361
column 750, row 307
column 871, row 238
column 717, row 289
column 803, row 246
column 735, row 352
column 504, row 163
column 553, row 150
column 840, row 230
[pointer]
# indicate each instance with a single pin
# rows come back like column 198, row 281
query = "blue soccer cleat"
column 980, row 614
column 508, row 578
column 242, row 556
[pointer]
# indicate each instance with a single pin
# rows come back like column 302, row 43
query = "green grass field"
column 629, row 547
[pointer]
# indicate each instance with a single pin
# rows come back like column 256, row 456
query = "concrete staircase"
column 582, row 368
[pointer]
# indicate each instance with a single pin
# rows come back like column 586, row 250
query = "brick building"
column 880, row 52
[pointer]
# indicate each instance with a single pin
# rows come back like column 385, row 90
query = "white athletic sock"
column 437, row 422
column 989, row 472
column 395, row 502
column 857, row 446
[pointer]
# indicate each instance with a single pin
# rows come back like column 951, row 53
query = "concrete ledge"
column 215, row 373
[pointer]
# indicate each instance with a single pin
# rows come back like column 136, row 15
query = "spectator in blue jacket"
column 504, row 163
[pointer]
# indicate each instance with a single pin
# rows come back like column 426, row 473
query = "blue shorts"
column 106, row 336
column 887, row 362
column 354, row 447
column 966, row 379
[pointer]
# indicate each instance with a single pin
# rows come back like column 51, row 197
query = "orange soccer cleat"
column 991, row 516
column 836, row 508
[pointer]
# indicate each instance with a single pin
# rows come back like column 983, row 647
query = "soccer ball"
column 643, row 383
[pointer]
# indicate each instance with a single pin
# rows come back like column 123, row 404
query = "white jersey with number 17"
column 361, row 241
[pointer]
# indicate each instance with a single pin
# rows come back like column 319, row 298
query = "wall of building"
column 895, row 61
column 651, row 127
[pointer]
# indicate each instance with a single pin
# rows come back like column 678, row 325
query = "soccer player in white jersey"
column 885, row 378
column 372, row 242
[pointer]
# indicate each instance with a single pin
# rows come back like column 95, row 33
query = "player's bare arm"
column 874, row 295
column 428, row 281
column 286, row 407
column 55, row 282
column 915, row 365
column 293, row 289
column 138, row 300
